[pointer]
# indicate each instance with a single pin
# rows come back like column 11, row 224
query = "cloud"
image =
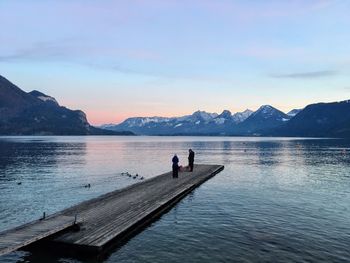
column 321, row 4
column 264, row 52
column 307, row 75
column 39, row 51
column 70, row 51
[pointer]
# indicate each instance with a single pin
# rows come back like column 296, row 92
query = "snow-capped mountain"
column 224, row 117
column 35, row 113
column 241, row 116
column 228, row 118
column 267, row 111
column 43, row 97
column 143, row 121
column 265, row 118
column 200, row 122
column 294, row 112
column 202, row 116
column 323, row 119
column 165, row 125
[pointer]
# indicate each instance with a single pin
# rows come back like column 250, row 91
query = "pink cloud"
column 264, row 52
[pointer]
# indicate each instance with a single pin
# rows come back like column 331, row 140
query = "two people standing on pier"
column 176, row 166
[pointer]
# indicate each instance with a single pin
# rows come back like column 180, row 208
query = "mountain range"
column 315, row 120
column 36, row 113
column 204, row 123
column 318, row 120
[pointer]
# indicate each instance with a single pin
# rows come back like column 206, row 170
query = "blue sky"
column 115, row 59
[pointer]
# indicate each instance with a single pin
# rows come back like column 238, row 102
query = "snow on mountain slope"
column 241, row 116
column 202, row 122
column 294, row 112
column 43, row 97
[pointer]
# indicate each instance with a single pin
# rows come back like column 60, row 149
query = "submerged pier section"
column 114, row 217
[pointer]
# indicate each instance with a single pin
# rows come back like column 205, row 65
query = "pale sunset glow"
column 118, row 59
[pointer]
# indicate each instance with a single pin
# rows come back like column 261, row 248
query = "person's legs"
column 191, row 167
column 175, row 171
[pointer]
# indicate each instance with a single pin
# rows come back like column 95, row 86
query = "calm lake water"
column 278, row 199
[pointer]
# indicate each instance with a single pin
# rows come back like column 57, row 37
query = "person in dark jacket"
column 175, row 161
column 191, row 159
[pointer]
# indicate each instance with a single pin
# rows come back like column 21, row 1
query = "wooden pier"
column 114, row 217
column 27, row 234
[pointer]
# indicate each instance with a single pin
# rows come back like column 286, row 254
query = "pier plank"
column 25, row 235
column 111, row 217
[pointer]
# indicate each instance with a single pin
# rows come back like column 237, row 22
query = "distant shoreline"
column 212, row 136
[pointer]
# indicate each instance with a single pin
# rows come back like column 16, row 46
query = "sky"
column 118, row 59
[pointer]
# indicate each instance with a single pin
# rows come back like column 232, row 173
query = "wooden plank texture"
column 27, row 234
column 113, row 216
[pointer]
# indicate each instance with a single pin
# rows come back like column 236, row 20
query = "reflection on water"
column 277, row 199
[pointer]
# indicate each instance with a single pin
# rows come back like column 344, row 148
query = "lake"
column 278, row 199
